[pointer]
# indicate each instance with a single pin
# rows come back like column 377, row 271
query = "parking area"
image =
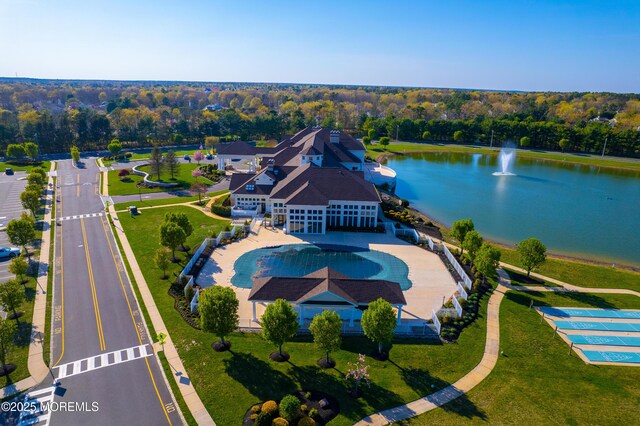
column 10, row 208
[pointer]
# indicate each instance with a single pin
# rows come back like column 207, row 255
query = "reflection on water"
column 574, row 209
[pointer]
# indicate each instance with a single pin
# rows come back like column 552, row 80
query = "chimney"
column 334, row 136
column 270, row 165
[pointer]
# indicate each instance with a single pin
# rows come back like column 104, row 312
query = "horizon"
column 568, row 46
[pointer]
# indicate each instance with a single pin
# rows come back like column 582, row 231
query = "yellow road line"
column 59, row 215
column 94, row 295
column 135, row 326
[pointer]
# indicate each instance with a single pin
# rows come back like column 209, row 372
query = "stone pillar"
column 254, row 311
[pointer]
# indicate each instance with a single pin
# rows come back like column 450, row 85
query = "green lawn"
column 129, row 186
column 164, row 201
column 537, row 382
column 46, row 165
column 144, row 156
column 229, row 383
column 378, row 151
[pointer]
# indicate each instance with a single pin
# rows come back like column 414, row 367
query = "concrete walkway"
column 191, row 398
column 205, row 210
column 36, row 365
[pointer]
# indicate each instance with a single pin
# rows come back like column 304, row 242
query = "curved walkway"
column 205, row 210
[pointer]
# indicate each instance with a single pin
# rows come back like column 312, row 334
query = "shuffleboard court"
column 579, row 339
column 626, row 357
column 591, row 313
column 599, row 326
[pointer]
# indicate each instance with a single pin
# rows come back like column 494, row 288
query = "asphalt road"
column 10, row 208
column 101, row 352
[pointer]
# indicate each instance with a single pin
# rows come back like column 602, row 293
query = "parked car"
column 8, row 171
column 186, row 157
column 209, row 157
column 9, row 252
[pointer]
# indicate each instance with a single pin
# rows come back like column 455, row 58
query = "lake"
column 575, row 210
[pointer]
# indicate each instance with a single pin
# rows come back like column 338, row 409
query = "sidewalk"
column 37, row 367
column 191, row 398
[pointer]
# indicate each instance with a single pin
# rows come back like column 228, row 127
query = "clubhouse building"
column 310, row 182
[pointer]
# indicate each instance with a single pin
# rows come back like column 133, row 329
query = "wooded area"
column 57, row 114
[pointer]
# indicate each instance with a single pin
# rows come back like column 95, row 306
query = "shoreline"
column 382, row 157
column 550, row 253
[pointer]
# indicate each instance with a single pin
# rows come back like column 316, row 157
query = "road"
column 100, row 348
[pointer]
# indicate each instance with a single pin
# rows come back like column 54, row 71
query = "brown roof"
column 301, row 289
column 242, row 148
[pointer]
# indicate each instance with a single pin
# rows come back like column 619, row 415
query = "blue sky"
column 519, row 45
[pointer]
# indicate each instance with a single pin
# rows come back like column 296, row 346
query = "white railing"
column 207, row 242
column 462, row 291
column 409, row 232
column 430, row 243
column 225, row 235
column 457, row 306
column 436, row 321
column 457, row 267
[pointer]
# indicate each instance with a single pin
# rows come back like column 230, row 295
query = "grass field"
column 164, row 201
column 46, row 165
column 378, row 151
column 537, row 382
column 229, row 383
column 145, row 155
column 129, row 186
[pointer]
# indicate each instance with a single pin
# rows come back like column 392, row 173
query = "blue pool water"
column 594, row 325
column 604, row 340
column 591, row 313
column 597, row 356
column 296, row 260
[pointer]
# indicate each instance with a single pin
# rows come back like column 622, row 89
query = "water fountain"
column 506, row 159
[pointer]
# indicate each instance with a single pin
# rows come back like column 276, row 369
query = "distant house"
column 310, row 182
column 212, row 107
column 326, row 289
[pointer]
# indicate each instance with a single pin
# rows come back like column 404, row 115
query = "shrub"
column 256, row 408
column 269, row 407
column 279, row 421
column 124, row 172
column 306, row 421
column 290, row 408
column 313, row 413
column 221, row 210
column 253, row 417
column 264, row 419
column 307, row 395
column 303, row 408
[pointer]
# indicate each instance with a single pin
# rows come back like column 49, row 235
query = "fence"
column 457, row 305
column 436, row 321
column 462, row 291
column 457, row 267
column 206, row 243
column 410, row 232
column 430, row 243
column 225, row 235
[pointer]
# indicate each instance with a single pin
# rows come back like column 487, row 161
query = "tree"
column 211, row 141
column 218, row 309
column 171, row 163
column 290, row 408
column 460, row 229
column 171, row 236
column 198, row 156
column 563, row 143
column 156, row 164
column 525, row 141
column 35, row 179
column 15, row 150
column 458, row 136
column 426, row 135
column 123, row 173
column 279, row 323
column 472, row 242
column 378, row 322
column 19, row 267
column 11, row 296
column 31, row 150
column 358, row 371
column 384, row 141
column 182, row 220
column 366, row 140
column 39, row 171
column 75, row 154
column 325, row 329
column 31, row 200
column 487, row 260
column 7, row 333
column 22, row 231
column 161, row 259
column 114, row 147
column 198, row 188
column 532, row 253
column 196, row 173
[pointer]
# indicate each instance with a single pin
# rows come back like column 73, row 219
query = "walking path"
column 191, row 398
column 38, row 370
column 206, row 209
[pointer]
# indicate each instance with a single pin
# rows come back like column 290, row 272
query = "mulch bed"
column 182, row 307
column 323, row 363
column 279, row 357
column 218, row 346
column 8, row 369
column 325, row 415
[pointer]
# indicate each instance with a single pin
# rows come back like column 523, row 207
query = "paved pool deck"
column 431, row 281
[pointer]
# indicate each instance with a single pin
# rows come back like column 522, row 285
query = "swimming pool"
column 296, row 260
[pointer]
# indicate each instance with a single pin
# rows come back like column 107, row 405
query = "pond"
column 575, row 210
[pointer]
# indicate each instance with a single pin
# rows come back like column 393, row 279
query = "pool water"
column 296, row 260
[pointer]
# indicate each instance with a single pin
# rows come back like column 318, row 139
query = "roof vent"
column 334, row 136
column 270, row 164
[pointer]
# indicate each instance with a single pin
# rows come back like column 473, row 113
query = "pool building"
column 310, row 182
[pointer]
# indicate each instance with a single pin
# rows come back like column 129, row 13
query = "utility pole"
column 605, row 145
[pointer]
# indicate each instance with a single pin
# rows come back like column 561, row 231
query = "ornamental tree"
column 199, row 189
column 114, row 147
column 19, row 267
column 279, row 323
column 472, row 242
column 39, row 171
column 182, row 220
column 379, row 322
column 75, row 154
column 358, row 372
column 525, row 141
column 31, row 150
column 326, row 330
column 15, row 150
column 161, row 259
column 123, row 173
column 290, row 408
column 487, row 260
column 11, row 296
column 218, row 309
column 171, row 236
column 198, row 156
column 460, row 228
column 7, row 333
column 22, row 231
column 384, row 141
column 35, row 179
column 532, row 253
column 31, row 200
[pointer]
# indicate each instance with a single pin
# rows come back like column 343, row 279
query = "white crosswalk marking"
column 100, row 361
column 81, row 216
column 37, row 408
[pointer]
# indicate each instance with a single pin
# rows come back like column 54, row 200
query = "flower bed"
column 312, row 412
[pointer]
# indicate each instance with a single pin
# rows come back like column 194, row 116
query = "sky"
column 543, row 45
